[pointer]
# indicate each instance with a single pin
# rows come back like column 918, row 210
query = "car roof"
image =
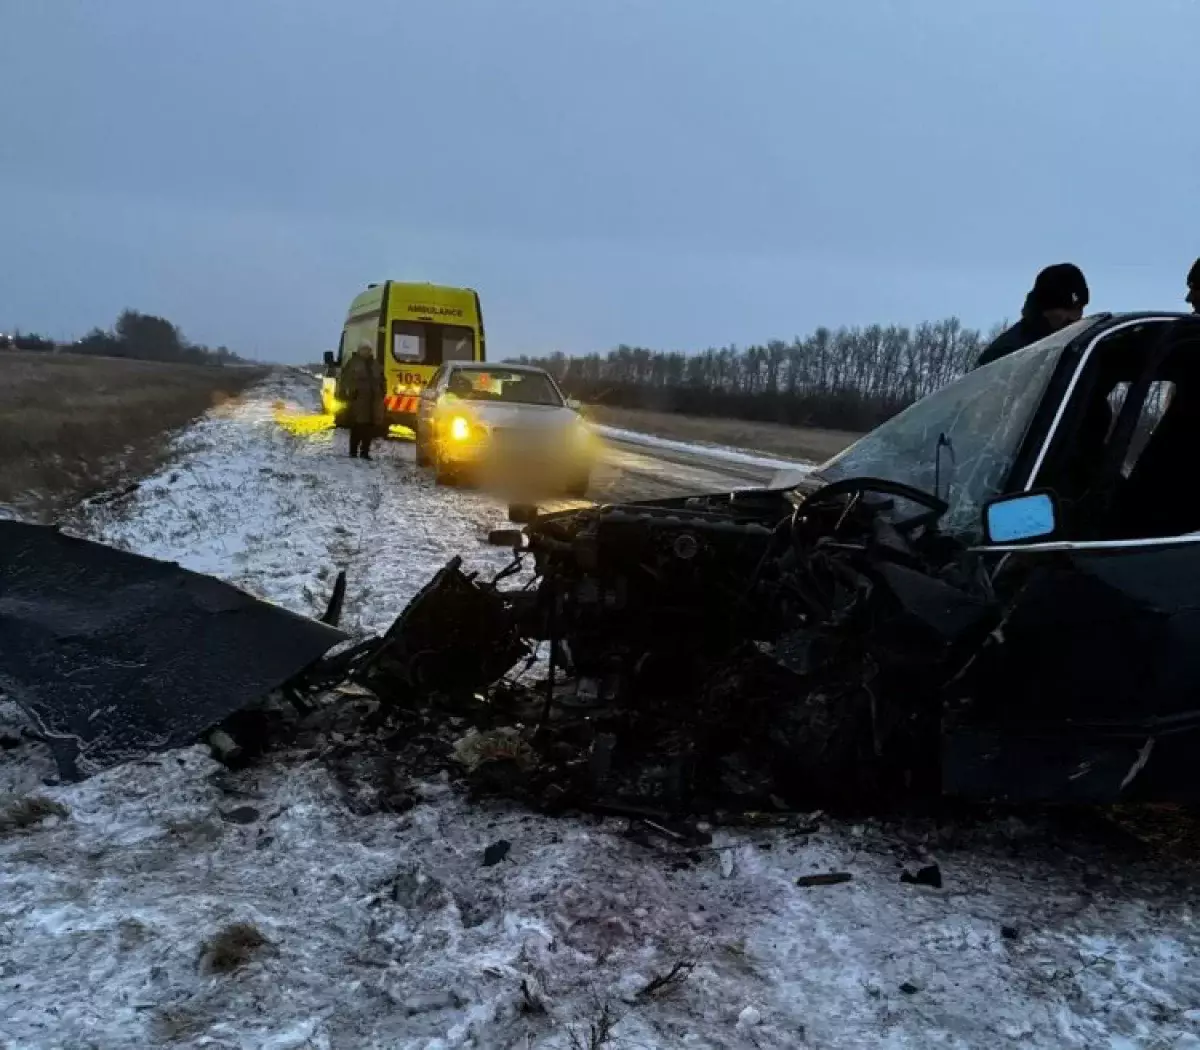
column 1112, row 319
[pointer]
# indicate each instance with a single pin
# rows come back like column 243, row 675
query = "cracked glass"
column 960, row 443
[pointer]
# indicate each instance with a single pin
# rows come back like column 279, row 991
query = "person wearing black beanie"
column 1056, row 300
column 1193, row 280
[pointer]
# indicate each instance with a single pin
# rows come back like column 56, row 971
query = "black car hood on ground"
column 113, row 654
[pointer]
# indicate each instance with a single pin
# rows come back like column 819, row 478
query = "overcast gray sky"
column 671, row 173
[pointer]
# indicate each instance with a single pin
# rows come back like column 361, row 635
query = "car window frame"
column 483, row 366
column 1032, row 479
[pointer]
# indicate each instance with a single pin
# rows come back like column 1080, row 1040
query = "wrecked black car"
column 992, row 596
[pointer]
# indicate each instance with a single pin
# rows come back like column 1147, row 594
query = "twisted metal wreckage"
column 968, row 601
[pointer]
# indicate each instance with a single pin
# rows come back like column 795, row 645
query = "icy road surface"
column 388, row 932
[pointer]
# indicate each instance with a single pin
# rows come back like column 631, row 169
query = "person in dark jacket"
column 1056, row 300
column 360, row 388
column 1193, row 279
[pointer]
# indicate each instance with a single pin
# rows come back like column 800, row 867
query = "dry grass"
column 596, row 1033
column 232, row 948
column 73, row 426
column 176, row 1025
column 18, row 814
column 810, row 443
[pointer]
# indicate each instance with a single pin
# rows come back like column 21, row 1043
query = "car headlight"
column 460, row 428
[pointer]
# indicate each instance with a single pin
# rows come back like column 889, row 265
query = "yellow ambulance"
column 414, row 328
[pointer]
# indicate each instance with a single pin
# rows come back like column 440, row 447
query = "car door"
column 1089, row 688
column 427, row 404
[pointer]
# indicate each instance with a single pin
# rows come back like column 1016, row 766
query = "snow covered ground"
column 389, row 931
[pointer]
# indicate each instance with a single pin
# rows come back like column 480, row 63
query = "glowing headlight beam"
column 460, row 429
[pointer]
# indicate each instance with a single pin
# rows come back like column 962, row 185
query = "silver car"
column 508, row 423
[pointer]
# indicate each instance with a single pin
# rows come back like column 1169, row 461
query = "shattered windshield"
column 974, row 427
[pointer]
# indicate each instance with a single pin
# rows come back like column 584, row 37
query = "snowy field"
column 387, row 931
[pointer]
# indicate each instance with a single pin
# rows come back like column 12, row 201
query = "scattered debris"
column 224, row 748
column 333, row 611
column 833, row 878
column 704, row 655
column 241, row 815
column 496, row 852
column 930, row 875
column 908, row 988
column 18, row 814
column 728, row 864
column 494, row 756
column 232, row 948
column 642, row 827
column 1010, row 933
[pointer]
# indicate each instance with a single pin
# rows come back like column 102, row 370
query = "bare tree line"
column 134, row 335
column 851, row 378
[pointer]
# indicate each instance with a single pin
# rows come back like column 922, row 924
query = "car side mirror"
column 329, row 359
column 1020, row 518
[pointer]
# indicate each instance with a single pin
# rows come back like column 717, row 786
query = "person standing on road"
column 1193, row 280
column 1056, row 300
column 361, row 389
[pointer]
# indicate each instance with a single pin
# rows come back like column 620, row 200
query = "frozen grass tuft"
column 19, row 814
column 232, row 948
column 176, row 1026
column 597, row 1032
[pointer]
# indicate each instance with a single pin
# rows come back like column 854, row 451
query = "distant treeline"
column 135, row 335
column 19, row 340
column 851, row 379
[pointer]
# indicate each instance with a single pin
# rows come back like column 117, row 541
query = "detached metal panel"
column 116, row 654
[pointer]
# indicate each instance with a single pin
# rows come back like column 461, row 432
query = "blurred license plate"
column 510, row 440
